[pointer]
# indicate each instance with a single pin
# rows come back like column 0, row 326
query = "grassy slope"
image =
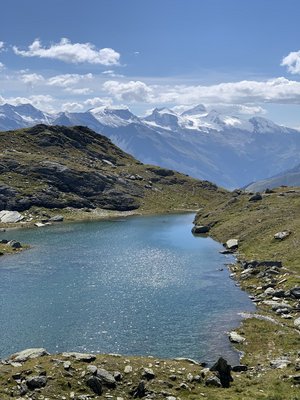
column 254, row 224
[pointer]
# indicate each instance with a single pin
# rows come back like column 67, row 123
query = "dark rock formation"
column 223, row 369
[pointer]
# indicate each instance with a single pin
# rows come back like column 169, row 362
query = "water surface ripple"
column 144, row 285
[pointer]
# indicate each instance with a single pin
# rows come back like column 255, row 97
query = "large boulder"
column 223, row 370
column 232, row 244
column 27, row 354
column 10, row 216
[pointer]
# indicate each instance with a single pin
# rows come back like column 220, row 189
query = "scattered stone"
column 171, row 398
column 118, row 376
column 190, row 377
column 14, row 244
column 282, row 235
column 295, row 292
column 240, row 368
column 56, row 218
column 234, row 337
column 297, row 323
column 95, row 384
column 280, row 363
column 106, row 378
column 10, row 217
column 40, row 224
column 256, row 197
column 92, row 369
column 200, row 229
column 184, row 386
column 223, row 369
column 213, row 381
column 139, row 391
column 128, row 369
column 27, row 354
column 173, row 377
column 295, row 379
column 148, row 374
column 232, row 244
column 23, row 390
column 67, row 365
column 36, row 382
column 80, row 356
column 189, row 360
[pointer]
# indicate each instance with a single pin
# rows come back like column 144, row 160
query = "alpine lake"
column 135, row 286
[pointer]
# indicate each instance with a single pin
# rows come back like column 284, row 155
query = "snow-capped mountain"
column 226, row 149
column 14, row 117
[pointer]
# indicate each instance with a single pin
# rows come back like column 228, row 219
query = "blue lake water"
column 144, row 285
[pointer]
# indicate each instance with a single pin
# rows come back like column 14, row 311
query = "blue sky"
column 233, row 55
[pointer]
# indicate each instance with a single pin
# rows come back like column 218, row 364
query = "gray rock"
column 127, row 369
column 67, row 365
column 14, row 244
column 92, row 369
column 295, row 292
column 106, row 377
column 234, row 337
column 240, row 368
column 27, row 354
column 36, row 382
column 95, row 384
column 56, row 218
column 139, row 391
column 223, row 370
column 280, row 363
column 199, row 229
column 256, row 197
column 282, row 235
column 85, row 357
column 148, row 374
column 297, row 323
column 213, row 381
column 118, row 376
column 189, row 360
column 10, row 216
column 232, row 244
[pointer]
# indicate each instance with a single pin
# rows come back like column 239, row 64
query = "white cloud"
column 2, row 66
column 112, row 74
column 79, row 91
column 237, row 109
column 72, row 107
column 278, row 90
column 1, row 46
column 71, row 52
column 98, row 102
column 66, row 80
column 292, row 62
column 32, row 79
column 132, row 91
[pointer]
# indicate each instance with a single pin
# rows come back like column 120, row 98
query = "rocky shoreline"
column 277, row 307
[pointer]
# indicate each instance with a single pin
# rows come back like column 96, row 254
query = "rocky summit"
column 58, row 167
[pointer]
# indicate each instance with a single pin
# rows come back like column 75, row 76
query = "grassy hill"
column 59, row 167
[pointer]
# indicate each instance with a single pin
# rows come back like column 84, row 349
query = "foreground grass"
column 253, row 384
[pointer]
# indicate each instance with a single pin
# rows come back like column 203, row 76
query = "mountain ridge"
column 224, row 149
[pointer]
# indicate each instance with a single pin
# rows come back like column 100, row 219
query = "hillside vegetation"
column 58, row 167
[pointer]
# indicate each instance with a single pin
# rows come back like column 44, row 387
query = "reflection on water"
column 143, row 286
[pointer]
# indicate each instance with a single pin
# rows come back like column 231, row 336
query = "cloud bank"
column 292, row 62
column 71, row 52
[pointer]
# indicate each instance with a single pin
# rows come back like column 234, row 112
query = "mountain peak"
column 199, row 109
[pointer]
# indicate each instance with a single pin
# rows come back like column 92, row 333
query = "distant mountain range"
column 290, row 177
column 224, row 149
